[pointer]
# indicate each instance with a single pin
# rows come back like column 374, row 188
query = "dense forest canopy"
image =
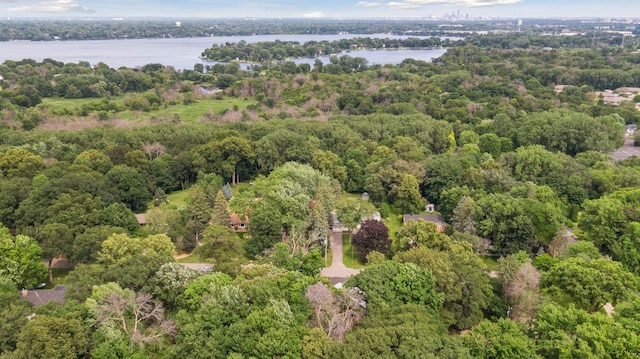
column 245, row 171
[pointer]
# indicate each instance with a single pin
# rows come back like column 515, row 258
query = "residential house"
column 239, row 223
column 43, row 296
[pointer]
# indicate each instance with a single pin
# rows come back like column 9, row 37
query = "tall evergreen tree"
column 220, row 213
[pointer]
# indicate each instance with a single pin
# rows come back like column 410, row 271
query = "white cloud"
column 53, row 6
column 465, row 3
column 403, row 5
column 369, row 4
column 314, row 14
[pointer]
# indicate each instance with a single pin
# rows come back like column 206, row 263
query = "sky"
column 318, row 8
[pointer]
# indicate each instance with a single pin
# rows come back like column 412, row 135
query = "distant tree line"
column 265, row 52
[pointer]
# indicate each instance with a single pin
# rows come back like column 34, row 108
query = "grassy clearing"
column 393, row 222
column 59, row 104
column 185, row 112
column 192, row 258
column 58, row 277
column 179, row 198
column 329, row 258
column 490, row 262
column 350, row 256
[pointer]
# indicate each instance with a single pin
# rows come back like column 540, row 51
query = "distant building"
column 433, row 218
column 560, row 88
column 629, row 91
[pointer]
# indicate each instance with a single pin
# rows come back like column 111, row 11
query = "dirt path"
column 337, row 272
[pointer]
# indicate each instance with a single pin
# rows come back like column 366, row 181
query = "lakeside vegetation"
column 247, row 180
column 267, row 52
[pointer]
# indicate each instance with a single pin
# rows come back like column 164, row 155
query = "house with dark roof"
column 433, row 218
column 43, row 296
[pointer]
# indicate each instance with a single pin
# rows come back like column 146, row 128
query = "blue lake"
column 183, row 53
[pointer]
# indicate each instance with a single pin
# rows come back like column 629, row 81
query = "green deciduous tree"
column 120, row 247
column 13, row 315
column 569, row 332
column 118, row 215
column 222, row 246
column 95, row 160
column 170, row 281
column 391, row 283
column 222, row 157
column 403, row 331
column 52, row 337
column 17, row 162
column 459, row 275
column 130, row 186
column 408, row 198
column 502, row 339
column 56, row 240
column 21, row 260
column 591, row 283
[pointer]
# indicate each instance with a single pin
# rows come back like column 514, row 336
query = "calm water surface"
column 182, row 53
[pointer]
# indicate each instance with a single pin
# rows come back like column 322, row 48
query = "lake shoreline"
column 181, row 53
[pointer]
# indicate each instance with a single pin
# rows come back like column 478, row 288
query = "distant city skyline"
column 319, row 9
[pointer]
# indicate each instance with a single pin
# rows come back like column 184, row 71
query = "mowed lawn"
column 179, row 198
column 350, row 256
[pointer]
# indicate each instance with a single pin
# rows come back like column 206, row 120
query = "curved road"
column 337, row 272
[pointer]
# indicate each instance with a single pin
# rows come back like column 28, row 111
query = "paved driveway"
column 337, row 272
column 627, row 150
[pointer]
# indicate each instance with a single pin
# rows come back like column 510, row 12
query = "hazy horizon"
column 330, row 9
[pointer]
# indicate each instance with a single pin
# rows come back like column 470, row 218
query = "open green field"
column 179, row 198
column 185, row 112
column 350, row 256
column 58, row 104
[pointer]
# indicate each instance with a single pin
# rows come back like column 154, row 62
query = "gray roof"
column 43, row 296
column 435, row 218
